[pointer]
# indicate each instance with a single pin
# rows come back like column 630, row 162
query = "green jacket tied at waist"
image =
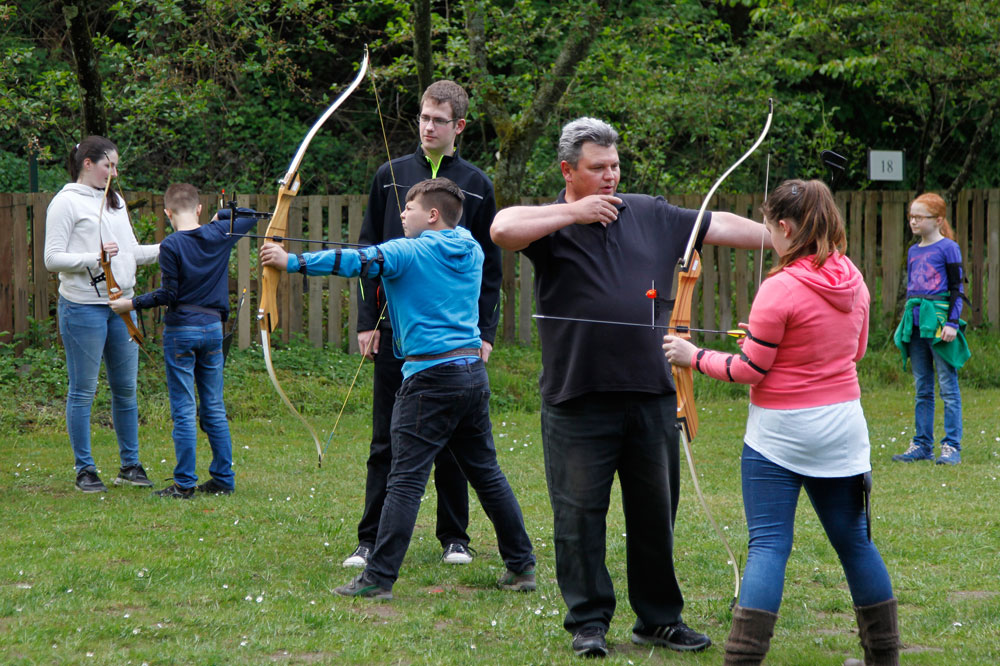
column 933, row 314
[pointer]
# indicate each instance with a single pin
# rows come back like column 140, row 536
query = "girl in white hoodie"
column 79, row 224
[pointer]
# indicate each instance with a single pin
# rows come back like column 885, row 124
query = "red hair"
column 939, row 209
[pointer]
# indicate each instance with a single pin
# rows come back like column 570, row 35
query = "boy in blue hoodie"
column 432, row 279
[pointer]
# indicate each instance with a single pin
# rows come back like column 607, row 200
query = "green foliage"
column 219, row 93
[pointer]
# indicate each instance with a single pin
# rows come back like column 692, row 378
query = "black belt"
column 464, row 351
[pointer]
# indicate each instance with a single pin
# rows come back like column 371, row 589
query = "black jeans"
column 445, row 407
column 452, row 488
column 587, row 440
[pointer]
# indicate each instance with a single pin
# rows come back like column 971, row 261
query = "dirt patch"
column 376, row 610
column 966, row 595
column 441, row 589
column 283, row 656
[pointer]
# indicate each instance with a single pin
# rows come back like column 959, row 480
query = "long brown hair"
column 818, row 227
column 939, row 209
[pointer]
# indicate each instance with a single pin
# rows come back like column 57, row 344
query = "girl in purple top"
column 930, row 332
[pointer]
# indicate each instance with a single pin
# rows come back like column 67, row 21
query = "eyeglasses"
column 923, row 217
column 438, row 122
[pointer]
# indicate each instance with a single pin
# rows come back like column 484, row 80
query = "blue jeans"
column 91, row 333
column 925, row 360
column 445, row 405
column 193, row 357
column 770, row 496
column 587, row 440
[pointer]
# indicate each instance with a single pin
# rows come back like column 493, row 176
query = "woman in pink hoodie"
column 808, row 329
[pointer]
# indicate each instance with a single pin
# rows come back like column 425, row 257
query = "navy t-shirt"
column 595, row 271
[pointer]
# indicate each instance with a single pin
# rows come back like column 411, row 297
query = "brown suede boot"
column 878, row 627
column 750, row 637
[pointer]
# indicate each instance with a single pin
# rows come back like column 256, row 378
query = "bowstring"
column 763, row 233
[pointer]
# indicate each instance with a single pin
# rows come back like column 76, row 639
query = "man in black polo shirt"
column 441, row 119
column 608, row 399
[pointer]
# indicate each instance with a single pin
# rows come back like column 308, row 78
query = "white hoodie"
column 73, row 244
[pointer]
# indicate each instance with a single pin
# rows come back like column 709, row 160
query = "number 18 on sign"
column 885, row 165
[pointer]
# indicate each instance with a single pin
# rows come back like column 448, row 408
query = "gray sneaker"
column 133, row 475
column 362, row 587
column 88, row 481
column 517, row 582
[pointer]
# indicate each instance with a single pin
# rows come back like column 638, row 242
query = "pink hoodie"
column 808, row 329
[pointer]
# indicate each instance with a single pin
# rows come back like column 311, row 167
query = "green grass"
column 126, row 578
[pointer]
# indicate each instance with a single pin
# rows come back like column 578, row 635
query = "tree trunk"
column 517, row 138
column 422, row 43
column 95, row 120
column 972, row 151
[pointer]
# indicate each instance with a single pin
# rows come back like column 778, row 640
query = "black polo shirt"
column 603, row 272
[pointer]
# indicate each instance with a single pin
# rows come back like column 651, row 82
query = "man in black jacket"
column 440, row 121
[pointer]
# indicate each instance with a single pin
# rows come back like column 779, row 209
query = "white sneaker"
column 456, row 553
column 359, row 558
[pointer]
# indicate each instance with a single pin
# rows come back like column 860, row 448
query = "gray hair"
column 583, row 130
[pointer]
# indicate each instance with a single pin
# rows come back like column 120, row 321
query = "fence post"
column 993, row 251
column 6, row 266
column 336, row 284
column 315, row 284
column 355, row 217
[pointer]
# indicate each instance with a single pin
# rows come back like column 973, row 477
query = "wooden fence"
column 323, row 310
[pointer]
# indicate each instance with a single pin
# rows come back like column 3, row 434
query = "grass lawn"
column 126, row 578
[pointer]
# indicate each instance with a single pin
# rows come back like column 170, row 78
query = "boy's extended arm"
column 368, row 262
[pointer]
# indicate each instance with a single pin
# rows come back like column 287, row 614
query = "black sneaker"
column 214, row 487
column 88, row 481
column 589, row 641
column 175, row 491
column 517, row 582
column 677, row 636
column 133, row 475
column 359, row 558
column 362, row 587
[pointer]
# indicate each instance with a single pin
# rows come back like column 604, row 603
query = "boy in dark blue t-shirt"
column 194, row 266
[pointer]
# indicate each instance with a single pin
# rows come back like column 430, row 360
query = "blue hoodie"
column 432, row 284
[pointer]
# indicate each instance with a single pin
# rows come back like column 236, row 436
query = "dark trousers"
column 450, row 483
column 445, row 408
column 586, row 441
